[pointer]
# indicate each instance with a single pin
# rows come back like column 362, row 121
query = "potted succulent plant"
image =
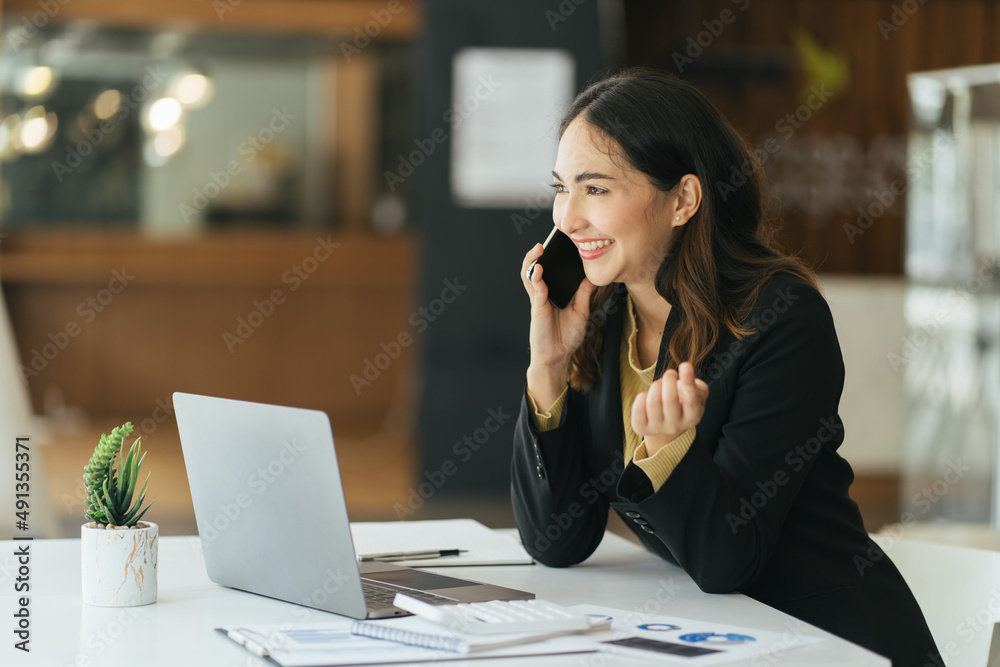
column 118, row 551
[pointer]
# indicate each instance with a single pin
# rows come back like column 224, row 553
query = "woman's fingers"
column 654, row 410
column 692, row 391
column 530, row 257
column 639, row 422
column 540, row 290
column 671, row 405
column 581, row 300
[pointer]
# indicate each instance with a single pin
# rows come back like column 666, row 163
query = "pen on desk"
column 410, row 555
column 249, row 644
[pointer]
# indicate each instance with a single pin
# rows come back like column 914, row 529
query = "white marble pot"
column 119, row 566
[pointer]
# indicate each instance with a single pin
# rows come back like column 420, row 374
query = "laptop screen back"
column 269, row 502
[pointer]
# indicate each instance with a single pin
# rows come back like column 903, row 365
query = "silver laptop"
column 272, row 518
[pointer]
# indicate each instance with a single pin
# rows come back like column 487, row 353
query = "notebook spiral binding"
column 409, row 637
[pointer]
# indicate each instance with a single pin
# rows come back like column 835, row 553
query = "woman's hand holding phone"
column 554, row 334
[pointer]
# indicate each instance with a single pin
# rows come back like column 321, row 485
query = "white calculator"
column 497, row 616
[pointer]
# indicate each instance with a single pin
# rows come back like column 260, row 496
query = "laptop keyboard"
column 381, row 595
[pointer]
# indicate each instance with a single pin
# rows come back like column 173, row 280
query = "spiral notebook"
column 452, row 643
column 337, row 643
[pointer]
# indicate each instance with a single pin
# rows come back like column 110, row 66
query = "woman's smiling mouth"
column 593, row 248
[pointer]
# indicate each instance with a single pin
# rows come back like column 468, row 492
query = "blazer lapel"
column 605, row 399
column 663, row 357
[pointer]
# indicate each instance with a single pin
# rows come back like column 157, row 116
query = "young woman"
column 693, row 383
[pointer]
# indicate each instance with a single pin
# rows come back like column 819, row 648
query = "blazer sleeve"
column 560, row 512
column 721, row 510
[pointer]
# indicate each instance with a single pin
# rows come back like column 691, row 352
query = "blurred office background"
column 324, row 203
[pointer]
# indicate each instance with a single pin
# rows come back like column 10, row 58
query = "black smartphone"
column 643, row 646
column 563, row 268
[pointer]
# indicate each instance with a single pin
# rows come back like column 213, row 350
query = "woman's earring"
column 678, row 217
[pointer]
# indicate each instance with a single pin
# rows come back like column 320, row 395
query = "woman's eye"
column 591, row 189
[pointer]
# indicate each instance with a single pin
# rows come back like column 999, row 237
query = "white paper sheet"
column 506, row 107
column 484, row 546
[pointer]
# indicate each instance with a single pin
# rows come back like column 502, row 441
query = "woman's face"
column 620, row 222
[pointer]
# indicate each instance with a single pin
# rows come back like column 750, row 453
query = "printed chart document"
column 672, row 640
column 481, row 545
column 664, row 640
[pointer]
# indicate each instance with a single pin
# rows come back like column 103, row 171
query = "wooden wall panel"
column 164, row 331
column 937, row 35
column 302, row 16
column 355, row 132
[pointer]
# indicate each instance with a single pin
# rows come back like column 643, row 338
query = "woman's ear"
column 688, row 199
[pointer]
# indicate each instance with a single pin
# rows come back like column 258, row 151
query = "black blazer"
column 759, row 502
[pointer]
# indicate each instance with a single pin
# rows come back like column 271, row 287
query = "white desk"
column 177, row 629
column 958, row 589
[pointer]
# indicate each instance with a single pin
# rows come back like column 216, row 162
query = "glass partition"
column 950, row 355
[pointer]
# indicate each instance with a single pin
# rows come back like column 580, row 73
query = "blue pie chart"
column 715, row 638
column 658, row 627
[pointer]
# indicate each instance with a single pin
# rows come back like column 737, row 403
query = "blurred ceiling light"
column 37, row 81
column 164, row 113
column 107, row 103
column 169, row 141
column 36, row 131
column 193, row 90
column 33, row 133
column 37, row 111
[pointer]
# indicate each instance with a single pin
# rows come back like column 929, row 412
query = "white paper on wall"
column 506, row 107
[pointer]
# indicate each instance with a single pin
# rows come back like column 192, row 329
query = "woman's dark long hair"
column 722, row 257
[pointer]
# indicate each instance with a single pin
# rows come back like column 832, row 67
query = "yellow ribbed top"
column 634, row 380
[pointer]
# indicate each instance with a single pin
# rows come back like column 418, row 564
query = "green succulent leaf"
column 129, row 474
column 110, row 491
column 132, row 519
column 144, row 511
column 142, row 496
column 111, row 508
